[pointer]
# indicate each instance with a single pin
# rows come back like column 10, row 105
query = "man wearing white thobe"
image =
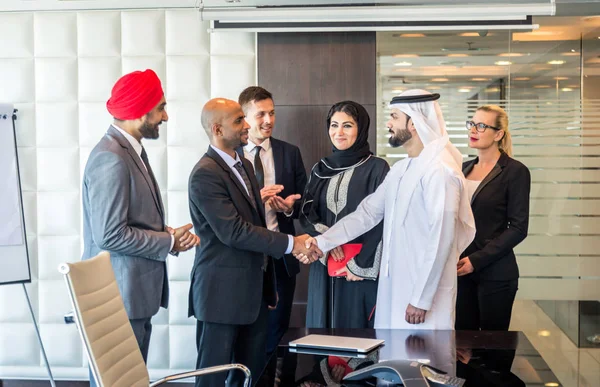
column 427, row 220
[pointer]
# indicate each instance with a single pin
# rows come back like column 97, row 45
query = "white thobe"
column 419, row 254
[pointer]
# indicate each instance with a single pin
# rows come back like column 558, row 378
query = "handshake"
column 305, row 249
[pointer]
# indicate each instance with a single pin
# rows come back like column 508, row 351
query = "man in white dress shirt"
column 427, row 220
column 282, row 178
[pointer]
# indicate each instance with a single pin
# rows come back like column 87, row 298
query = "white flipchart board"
column 14, row 257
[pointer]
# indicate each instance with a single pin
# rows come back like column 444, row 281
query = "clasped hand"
column 184, row 239
column 306, row 249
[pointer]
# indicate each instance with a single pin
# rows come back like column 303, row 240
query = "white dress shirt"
column 137, row 147
column 266, row 157
column 230, row 161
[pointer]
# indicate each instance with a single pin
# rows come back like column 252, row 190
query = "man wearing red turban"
column 123, row 211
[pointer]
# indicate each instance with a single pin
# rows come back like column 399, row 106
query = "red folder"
column 351, row 250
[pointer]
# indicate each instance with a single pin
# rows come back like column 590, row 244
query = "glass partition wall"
column 548, row 80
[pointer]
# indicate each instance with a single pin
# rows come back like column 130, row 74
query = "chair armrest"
column 207, row 371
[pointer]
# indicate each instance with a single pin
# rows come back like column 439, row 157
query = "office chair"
column 110, row 344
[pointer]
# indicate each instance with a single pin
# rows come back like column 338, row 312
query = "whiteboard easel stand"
column 37, row 331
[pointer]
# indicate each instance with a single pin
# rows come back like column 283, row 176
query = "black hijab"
column 340, row 160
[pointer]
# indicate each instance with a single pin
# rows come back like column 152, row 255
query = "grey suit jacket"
column 122, row 214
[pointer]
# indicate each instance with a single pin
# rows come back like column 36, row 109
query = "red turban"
column 134, row 95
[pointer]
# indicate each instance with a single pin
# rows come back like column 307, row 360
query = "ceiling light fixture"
column 503, row 63
column 481, row 79
column 513, row 54
column 556, row 62
column 439, row 79
column 412, row 35
column 405, row 56
column 403, row 64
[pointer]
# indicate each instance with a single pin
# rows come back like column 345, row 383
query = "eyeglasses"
column 480, row 127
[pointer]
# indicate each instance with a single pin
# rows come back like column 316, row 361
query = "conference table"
column 481, row 358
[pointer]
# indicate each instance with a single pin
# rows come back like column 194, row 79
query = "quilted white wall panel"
column 188, row 78
column 94, row 120
column 16, row 35
column 186, row 34
column 99, row 34
column 17, row 80
column 63, row 39
column 230, row 71
column 56, row 79
column 58, row 69
column 14, row 303
column 143, row 33
column 22, row 341
column 55, row 124
column 96, row 77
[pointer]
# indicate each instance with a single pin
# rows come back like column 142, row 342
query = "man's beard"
column 400, row 137
column 149, row 131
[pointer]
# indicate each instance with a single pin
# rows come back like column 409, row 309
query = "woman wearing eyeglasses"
column 499, row 189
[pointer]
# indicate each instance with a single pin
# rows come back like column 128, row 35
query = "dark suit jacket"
column 289, row 172
column 124, row 215
column 501, row 210
column 228, row 284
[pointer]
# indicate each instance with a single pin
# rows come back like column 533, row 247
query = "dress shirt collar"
column 135, row 144
column 230, row 161
column 266, row 145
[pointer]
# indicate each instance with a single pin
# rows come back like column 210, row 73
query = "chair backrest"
column 113, row 353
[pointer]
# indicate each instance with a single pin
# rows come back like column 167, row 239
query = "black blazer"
column 227, row 280
column 289, row 172
column 501, row 210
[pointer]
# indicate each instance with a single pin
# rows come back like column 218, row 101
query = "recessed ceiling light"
column 464, row 90
column 521, row 79
column 405, row 56
column 560, row 78
column 541, row 87
column 566, row 89
column 503, row 63
column 556, row 62
column 480, row 79
column 511, row 54
column 544, row 333
column 403, row 64
column 439, row 79
column 552, row 384
column 572, row 53
column 412, row 35
column 457, row 55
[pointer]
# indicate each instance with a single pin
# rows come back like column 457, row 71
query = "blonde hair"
column 501, row 123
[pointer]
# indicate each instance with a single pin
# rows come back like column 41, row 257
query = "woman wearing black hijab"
column 337, row 185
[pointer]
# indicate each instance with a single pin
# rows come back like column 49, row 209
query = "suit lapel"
column 215, row 156
column 277, row 160
column 138, row 162
column 490, row 176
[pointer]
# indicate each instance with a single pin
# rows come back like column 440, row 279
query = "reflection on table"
column 482, row 358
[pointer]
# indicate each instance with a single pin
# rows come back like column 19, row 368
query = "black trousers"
column 279, row 322
column 483, row 304
column 220, row 344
